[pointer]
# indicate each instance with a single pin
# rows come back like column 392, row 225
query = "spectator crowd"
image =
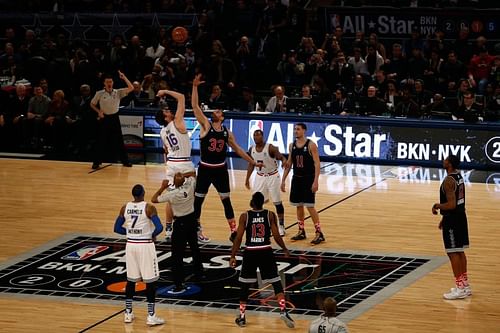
column 254, row 56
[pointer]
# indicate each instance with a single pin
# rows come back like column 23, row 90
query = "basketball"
column 180, row 34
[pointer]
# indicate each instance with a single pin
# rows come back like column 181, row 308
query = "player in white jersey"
column 177, row 143
column 140, row 222
column 327, row 323
column 267, row 180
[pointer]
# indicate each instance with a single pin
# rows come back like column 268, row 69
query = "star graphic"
column 37, row 26
column 77, row 30
column 155, row 24
column 371, row 24
column 116, row 28
column 314, row 138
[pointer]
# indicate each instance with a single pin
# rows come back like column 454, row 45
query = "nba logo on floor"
column 254, row 125
column 85, row 252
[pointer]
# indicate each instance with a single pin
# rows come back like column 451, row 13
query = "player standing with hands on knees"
column 259, row 224
column 214, row 140
column 140, row 222
column 177, row 143
column 454, row 226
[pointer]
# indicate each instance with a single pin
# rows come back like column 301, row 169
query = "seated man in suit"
column 469, row 111
column 372, row 105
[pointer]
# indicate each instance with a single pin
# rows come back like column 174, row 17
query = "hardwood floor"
column 44, row 200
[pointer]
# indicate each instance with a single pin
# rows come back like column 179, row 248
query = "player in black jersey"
column 214, row 139
column 259, row 224
column 454, row 226
column 303, row 156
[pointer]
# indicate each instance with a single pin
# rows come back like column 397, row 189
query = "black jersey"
column 459, row 195
column 213, row 146
column 303, row 163
column 258, row 228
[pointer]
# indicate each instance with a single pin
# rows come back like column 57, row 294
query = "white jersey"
column 270, row 163
column 178, row 144
column 139, row 226
column 327, row 325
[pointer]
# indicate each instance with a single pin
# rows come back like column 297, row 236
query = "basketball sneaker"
column 154, row 320
column 232, row 237
column 455, row 293
column 240, row 321
column 168, row 232
column 287, row 319
column 318, row 239
column 300, row 235
column 201, row 237
column 177, row 290
column 281, row 228
column 468, row 290
column 129, row 317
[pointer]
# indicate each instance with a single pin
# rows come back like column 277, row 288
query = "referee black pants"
column 185, row 231
column 110, row 140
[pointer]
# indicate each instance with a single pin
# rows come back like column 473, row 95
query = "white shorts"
column 141, row 262
column 174, row 167
column 269, row 186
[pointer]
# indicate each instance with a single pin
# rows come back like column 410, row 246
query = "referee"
column 106, row 103
column 181, row 199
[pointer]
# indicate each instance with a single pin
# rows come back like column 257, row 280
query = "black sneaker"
column 300, row 235
column 232, row 237
column 241, row 322
column 177, row 290
column 318, row 239
column 287, row 319
column 127, row 164
column 95, row 166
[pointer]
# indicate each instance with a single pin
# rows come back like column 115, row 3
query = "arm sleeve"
column 158, row 225
column 119, row 229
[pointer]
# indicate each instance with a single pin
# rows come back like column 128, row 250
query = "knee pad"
column 228, row 208
column 278, row 288
column 245, row 287
column 279, row 208
column 151, row 292
column 198, row 202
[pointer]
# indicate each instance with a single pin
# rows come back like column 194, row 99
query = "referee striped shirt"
column 109, row 102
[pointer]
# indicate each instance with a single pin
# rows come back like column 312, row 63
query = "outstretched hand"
column 121, row 75
column 197, row 80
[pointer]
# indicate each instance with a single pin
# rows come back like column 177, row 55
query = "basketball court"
column 62, row 268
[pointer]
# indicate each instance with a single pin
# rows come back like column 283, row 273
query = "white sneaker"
column 281, row 229
column 455, row 293
column 201, row 237
column 129, row 317
column 468, row 291
column 155, row 320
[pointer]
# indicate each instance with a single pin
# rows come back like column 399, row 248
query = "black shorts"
column 262, row 259
column 218, row 176
column 301, row 193
column 455, row 233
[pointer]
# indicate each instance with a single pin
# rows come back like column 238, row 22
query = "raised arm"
column 198, row 113
column 181, row 108
column 287, row 168
column 163, row 187
column 315, row 155
column 130, row 87
column 236, row 147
